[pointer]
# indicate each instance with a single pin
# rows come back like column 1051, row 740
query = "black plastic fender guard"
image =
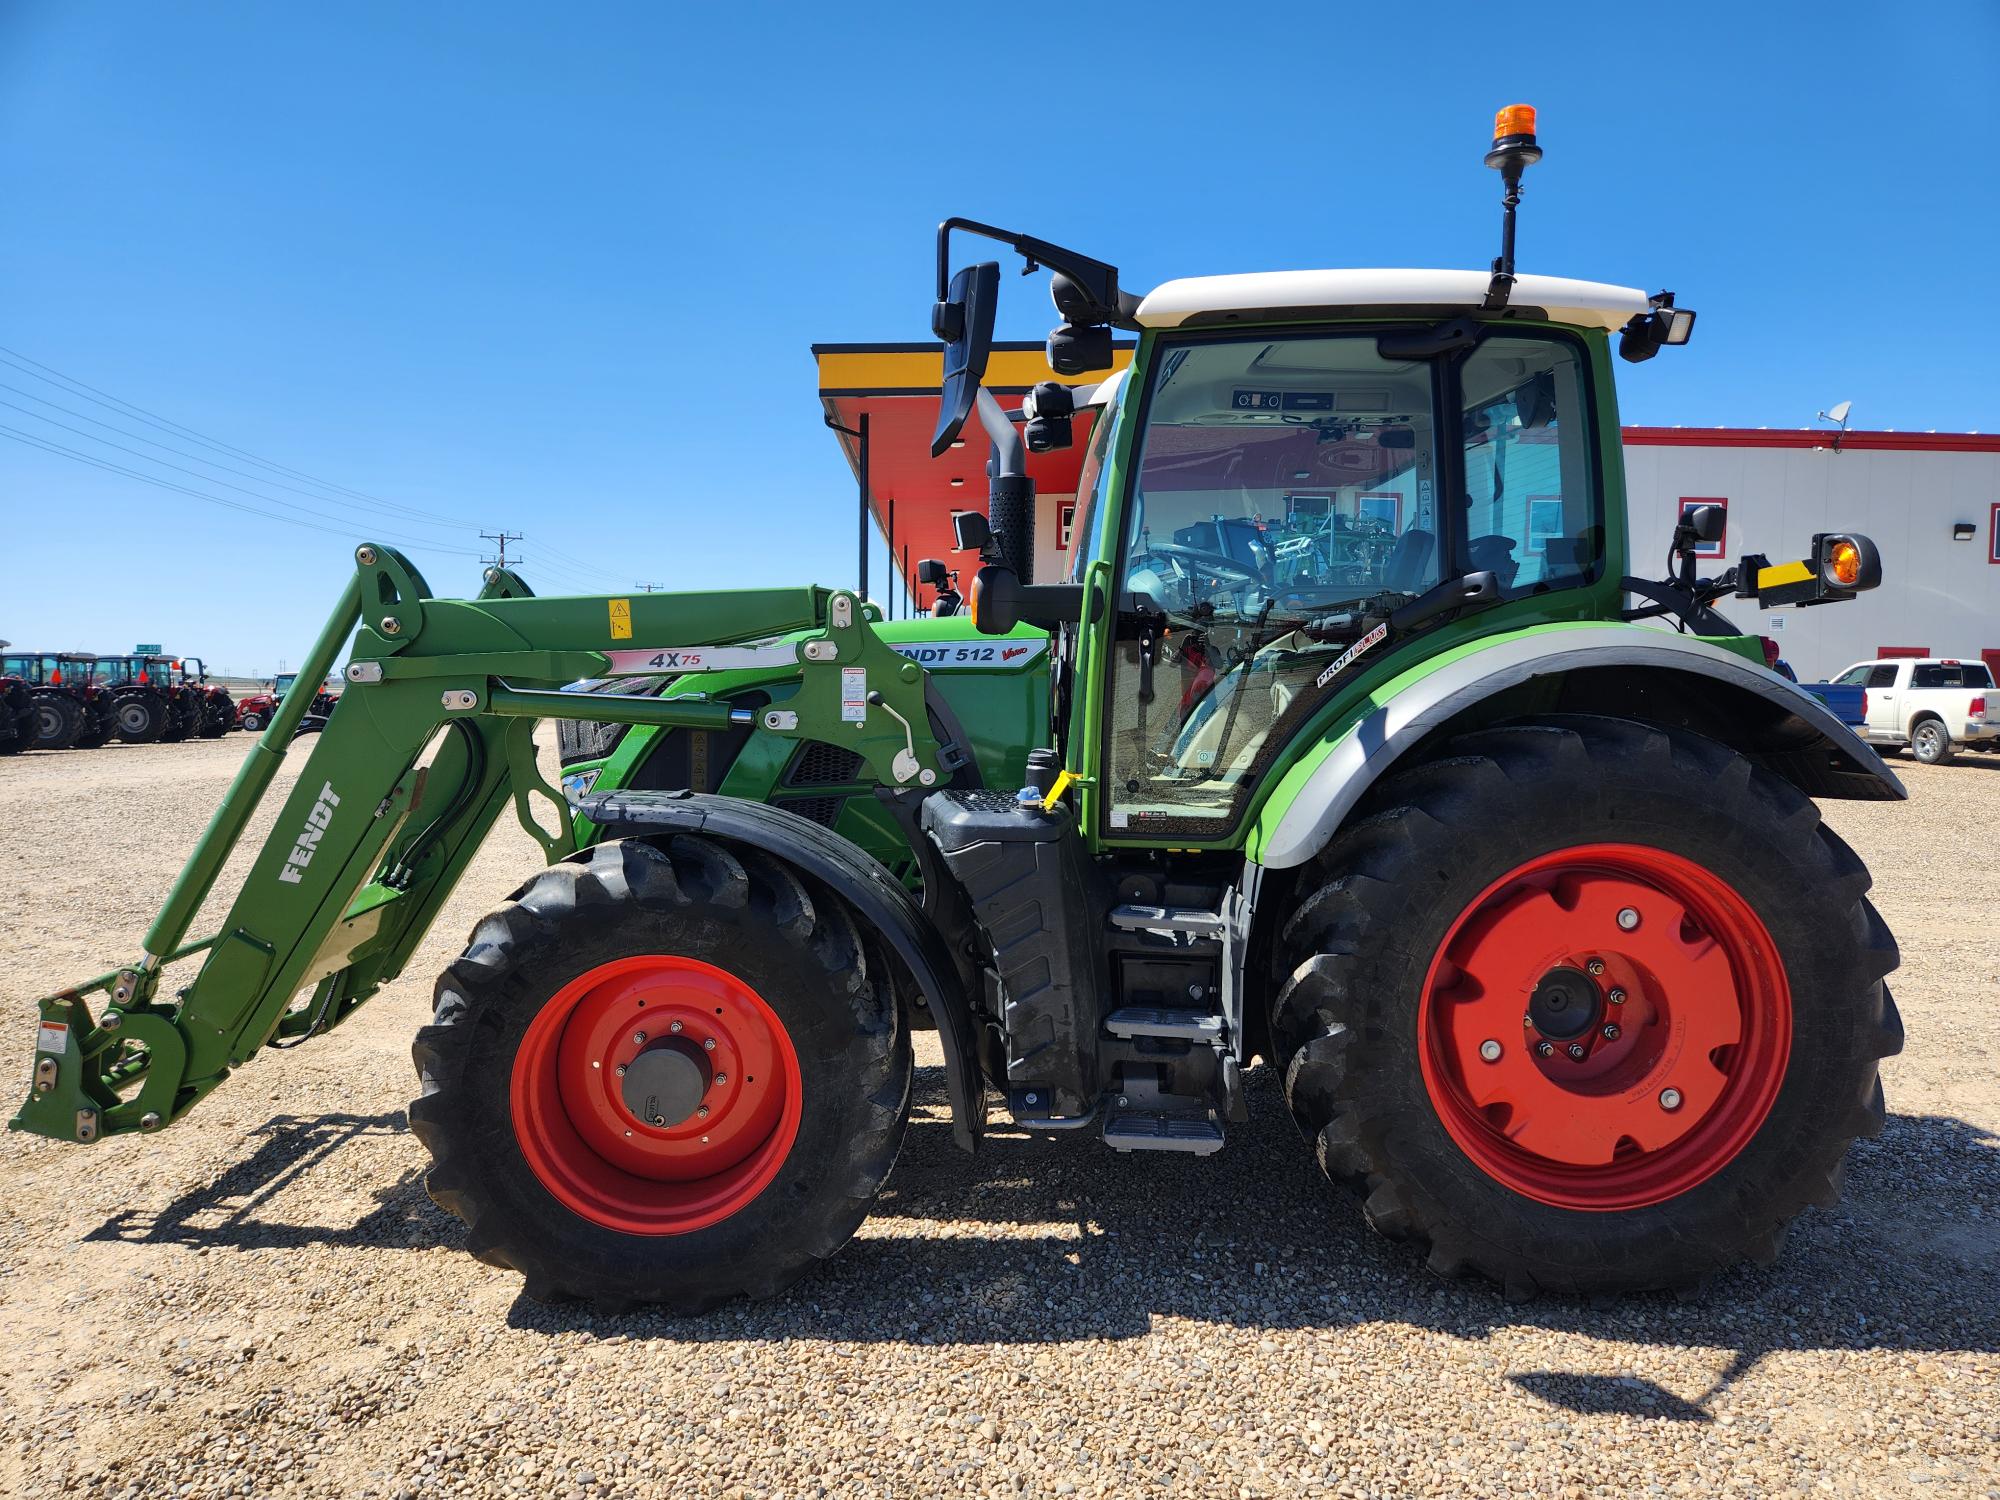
column 876, row 895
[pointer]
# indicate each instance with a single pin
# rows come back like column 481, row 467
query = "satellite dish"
column 1838, row 413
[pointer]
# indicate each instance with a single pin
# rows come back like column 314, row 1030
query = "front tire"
column 584, row 1131
column 1455, row 945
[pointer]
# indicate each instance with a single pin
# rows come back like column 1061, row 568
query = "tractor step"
column 1192, row 920
column 1177, row 1025
column 1153, row 1130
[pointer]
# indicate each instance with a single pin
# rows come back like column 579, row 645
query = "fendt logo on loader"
column 308, row 839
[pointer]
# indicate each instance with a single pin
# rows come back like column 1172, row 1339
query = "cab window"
column 1531, row 510
column 1284, row 486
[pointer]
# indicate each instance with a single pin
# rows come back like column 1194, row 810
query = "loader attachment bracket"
column 529, row 783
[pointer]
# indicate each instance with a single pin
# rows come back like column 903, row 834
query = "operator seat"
column 1409, row 562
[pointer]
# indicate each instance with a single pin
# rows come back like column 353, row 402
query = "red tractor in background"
column 217, row 709
column 17, row 714
column 146, row 704
column 255, row 711
column 69, row 707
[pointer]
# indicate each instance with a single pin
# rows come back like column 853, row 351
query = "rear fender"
column 876, row 896
column 1621, row 670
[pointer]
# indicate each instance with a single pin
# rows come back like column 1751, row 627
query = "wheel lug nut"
column 1670, row 1099
column 621, row 1070
column 638, row 1038
column 1596, row 966
column 675, row 1027
column 1490, row 1050
column 708, row 1043
column 1628, row 918
column 701, row 1111
column 1545, row 1049
column 721, row 1078
column 1575, row 1051
column 1616, row 997
column 1610, row 1032
column 659, row 1119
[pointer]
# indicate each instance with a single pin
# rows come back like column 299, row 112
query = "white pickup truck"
column 1935, row 705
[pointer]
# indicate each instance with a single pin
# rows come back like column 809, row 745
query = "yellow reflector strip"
column 1782, row 573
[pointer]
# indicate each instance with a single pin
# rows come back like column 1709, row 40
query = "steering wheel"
column 1215, row 563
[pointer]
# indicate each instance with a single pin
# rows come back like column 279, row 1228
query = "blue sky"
column 557, row 267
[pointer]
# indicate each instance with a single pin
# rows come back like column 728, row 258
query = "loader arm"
column 376, row 832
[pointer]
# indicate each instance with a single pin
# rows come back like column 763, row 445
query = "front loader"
column 1348, row 745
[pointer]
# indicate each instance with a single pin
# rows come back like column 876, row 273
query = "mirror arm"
column 1010, row 454
column 1097, row 280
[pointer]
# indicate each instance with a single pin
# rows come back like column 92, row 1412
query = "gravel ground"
column 263, row 1302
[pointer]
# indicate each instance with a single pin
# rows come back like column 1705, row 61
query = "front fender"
column 1640, row 672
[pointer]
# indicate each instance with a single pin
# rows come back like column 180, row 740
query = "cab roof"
column 1270, row 296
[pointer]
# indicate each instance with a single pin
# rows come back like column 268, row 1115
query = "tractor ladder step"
column 1152, row 1130
column 1177, row 1025
column 1192, row 920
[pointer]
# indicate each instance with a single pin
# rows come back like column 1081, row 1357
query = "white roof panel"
column 1587, row 304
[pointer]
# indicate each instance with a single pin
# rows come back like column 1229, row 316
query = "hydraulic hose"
column 404, row 870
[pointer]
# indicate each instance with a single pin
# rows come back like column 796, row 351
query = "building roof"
column 1258, row 295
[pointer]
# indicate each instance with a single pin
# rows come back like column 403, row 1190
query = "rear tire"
column 57, row 722
column 1930, row 742
column 1406, row 1027
column 140, row 718
column 253, row 721
column 532, row 1142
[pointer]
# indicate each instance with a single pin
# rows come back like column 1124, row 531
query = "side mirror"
column 932, row 572
column 971, row 531
column 1000, row 601
column 1705, row 522
column 964, row 320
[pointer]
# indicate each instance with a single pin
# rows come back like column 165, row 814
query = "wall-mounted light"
column 1961, row 531
column 956, row 483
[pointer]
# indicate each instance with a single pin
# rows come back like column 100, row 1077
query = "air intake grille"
column 821, row 764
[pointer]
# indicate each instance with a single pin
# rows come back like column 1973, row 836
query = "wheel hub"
column 1566, row 1003
column 664, row 1084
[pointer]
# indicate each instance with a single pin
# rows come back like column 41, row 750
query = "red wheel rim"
column 588, row 1142
column 1664, row 979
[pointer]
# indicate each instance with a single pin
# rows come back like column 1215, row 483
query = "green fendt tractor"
column 1340, row 747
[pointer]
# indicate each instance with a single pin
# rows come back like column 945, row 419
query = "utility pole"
column 649, row 588
column 501, row 539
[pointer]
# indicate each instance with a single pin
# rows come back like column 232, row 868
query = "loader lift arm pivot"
column 372, row 838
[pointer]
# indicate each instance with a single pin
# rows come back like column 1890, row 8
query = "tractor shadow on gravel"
column 235, row 1210
column 1046, row 1240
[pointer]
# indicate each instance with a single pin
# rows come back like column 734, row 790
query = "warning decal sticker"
column 621, row 619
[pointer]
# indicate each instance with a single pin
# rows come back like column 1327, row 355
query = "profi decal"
column 309, row 836
column 1340, row 663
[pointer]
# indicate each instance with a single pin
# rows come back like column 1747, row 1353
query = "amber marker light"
column 1843, row 561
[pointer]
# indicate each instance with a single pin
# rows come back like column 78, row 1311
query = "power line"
column 397, row 511
column 368, row 522
column 502, row 537
column 649, row 588
column 167, row 424
column 167, row 484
